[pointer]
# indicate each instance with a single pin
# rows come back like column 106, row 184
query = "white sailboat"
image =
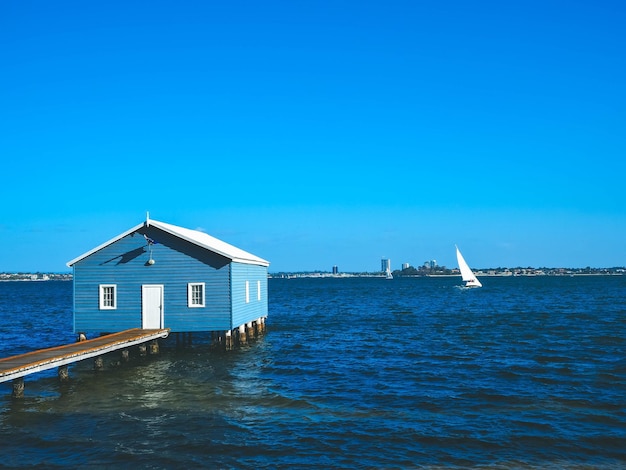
column 466, row 273
column 388, row 274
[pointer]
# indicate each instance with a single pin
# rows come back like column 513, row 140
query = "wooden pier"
column 17, row 367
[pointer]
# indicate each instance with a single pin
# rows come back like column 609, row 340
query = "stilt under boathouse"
column 158, row 275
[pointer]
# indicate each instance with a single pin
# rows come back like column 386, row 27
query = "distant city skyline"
column 440, row 271
column 317, row 134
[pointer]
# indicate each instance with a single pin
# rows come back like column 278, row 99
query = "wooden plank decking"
column 24, row 364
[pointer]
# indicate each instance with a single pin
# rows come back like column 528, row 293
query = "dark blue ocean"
column 527, row 372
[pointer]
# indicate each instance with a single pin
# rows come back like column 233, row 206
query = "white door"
column 151, row 306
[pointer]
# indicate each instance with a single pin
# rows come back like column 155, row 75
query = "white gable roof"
column 201, row 239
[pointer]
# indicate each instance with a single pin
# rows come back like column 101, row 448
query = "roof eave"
column 69, row 264
column 259, row 262
column 256, row 261
column 253, row 260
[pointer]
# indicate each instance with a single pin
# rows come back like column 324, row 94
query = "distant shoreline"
column 34, row 277
column 409, row 273
column 479, row 274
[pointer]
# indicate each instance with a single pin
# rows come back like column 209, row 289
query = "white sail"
column 466, row 273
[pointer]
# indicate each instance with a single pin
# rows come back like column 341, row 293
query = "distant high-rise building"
column 335, row 270
column 385, row 264
column 405, row 265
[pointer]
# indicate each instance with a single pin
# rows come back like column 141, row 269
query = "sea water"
column 526, row 372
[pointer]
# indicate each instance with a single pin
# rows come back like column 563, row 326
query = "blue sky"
column 317, row 133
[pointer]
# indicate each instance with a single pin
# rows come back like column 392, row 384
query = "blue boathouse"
column 158, row 275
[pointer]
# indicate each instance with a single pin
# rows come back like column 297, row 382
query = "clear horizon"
column 315, row 134
column 329, row 271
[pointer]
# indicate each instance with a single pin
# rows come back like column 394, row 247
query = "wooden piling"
column 64, row 373
column 18, row 388
column 243, row 339
column 153, row 347
column 217, row 340
column 98, row 363
column 125, row 355
column 142, row 350
column 228, row 341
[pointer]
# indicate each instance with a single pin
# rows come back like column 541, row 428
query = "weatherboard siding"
column 245, row 312
column 177, row 263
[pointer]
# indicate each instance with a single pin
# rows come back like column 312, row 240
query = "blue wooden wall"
column 177, row 263
column 248, row 309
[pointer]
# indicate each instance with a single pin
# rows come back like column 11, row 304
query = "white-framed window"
column 108, row 296
column 247, row 292
column 195, row 294
column 258, row 290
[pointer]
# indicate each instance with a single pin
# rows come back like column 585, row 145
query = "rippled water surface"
column 352, row 373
